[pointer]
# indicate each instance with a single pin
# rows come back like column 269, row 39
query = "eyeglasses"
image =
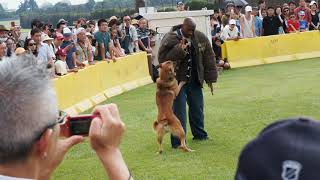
column 32, row 44
column 126, row 19
column 60, row 120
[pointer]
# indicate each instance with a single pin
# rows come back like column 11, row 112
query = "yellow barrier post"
column 94, row 84
column 272, row 49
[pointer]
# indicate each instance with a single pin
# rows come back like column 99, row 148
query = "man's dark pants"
column 190, row 93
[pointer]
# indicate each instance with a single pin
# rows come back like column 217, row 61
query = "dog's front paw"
column 159, row 152
column 186, row 149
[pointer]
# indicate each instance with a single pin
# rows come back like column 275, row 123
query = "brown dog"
column 167, row 90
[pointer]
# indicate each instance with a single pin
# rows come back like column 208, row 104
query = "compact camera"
column 76, row 125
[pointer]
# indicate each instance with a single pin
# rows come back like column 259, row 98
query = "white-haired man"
column 29, row 131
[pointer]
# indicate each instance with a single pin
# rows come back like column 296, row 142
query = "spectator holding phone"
column 29, row 106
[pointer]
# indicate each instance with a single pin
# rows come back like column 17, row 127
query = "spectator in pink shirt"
column 303, row 7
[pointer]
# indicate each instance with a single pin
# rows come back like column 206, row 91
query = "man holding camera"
column 195, row 63
column 30, row 144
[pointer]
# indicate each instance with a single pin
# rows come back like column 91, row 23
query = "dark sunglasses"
column 32, row 44
column 127, row 20
column 60, row 120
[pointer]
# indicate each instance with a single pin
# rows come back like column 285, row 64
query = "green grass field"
column 245, row 101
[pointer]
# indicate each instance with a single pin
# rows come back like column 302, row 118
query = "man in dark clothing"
column 195, row 63
column 271, row 23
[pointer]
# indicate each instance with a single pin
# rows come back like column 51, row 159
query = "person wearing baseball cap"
column 230, row 32
column 58, row 39
column 69, row 45
column 83, row 47
column 247, row 24
column 315, row 16
column 284, row 150
column 303, row 23
column 180, row 6
column 60, row 64
column 61, row 25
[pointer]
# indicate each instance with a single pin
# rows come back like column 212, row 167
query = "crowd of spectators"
column 237, row 22
column 69, row 47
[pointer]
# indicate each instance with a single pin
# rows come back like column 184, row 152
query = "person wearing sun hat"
column 3, row 33
column 48, row 40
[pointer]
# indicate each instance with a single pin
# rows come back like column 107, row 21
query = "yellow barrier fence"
column 80, row 91
column 271, row 49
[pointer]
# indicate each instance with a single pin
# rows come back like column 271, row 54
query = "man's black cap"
column 285, row 150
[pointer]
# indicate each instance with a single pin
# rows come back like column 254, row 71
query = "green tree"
column 139, row 3
column 90, row 4
column 27, row 5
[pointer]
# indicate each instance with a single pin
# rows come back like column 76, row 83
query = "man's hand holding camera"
column 105, row 134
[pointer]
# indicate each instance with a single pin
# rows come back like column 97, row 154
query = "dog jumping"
column 167, row 90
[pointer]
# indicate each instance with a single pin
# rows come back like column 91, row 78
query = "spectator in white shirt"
column 61, row 66
column 247, row 24
column 48, row 40
column 230, row 32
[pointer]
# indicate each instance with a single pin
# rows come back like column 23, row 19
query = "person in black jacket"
column 193, row 54
column 271, row 23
